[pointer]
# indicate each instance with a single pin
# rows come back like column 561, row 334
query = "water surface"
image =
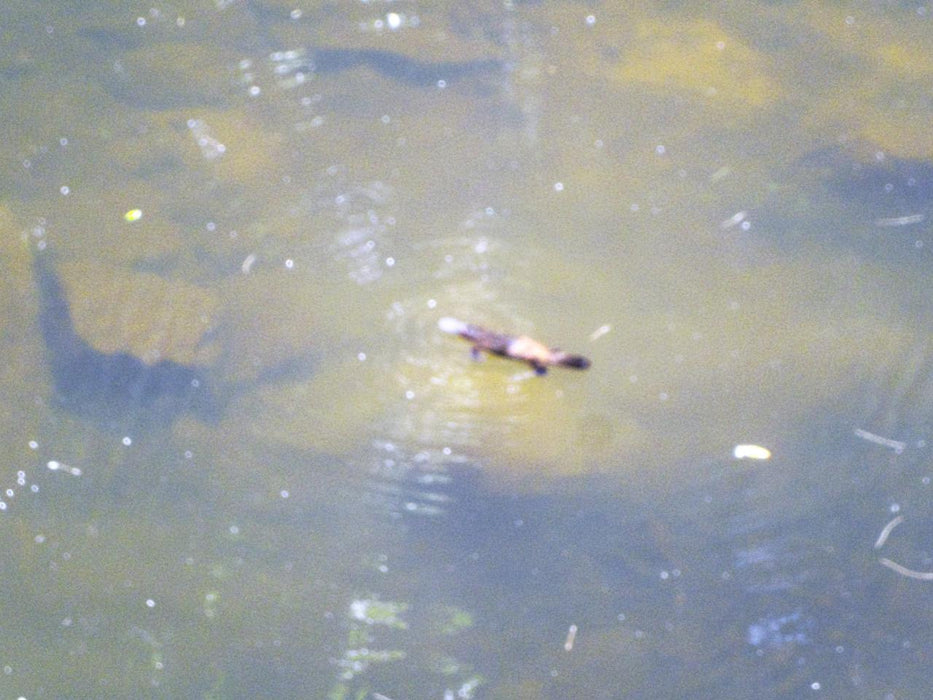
column 272, row 475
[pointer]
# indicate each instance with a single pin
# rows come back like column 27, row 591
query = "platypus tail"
column 576, row 361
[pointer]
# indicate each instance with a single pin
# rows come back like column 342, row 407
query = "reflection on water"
column 359, row 508
column 778, row 632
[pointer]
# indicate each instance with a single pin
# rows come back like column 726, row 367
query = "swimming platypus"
column 521, row 347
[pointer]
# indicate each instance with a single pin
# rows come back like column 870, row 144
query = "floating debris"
column 904, row 571
column 724, row 172
column 895, row 445
column 900, row 220
column 571, row 636
column 56, row 466
column 248, row 263
column 894, row 566
column 734, row 220
column 600, row 332
column 886, row 531
column 751, row 452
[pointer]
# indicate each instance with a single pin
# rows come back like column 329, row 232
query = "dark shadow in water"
column 749, row 582
column 112, row 388
column 389, row 64
column 119, row 390
column 887, row 184
column 396, row 66
column 879, row 209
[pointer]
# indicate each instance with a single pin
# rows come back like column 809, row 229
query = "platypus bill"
column 521, row 347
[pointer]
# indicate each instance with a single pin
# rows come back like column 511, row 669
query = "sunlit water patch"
column 411, row 484
column 364, row 236
column 779, row 631
column 399, row 381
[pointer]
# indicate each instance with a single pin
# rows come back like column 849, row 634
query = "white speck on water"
column 751, row 452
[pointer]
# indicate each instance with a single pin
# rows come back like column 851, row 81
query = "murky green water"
column 241, row 460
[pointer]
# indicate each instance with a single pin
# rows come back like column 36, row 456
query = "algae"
column 142, row 314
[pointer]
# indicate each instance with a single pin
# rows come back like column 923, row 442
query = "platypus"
column 521, row 347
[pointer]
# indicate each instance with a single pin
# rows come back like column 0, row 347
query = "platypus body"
column 520, row 347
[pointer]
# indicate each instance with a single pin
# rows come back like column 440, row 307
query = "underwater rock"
column 139, row 313
column 172, row 76
column 111, row 379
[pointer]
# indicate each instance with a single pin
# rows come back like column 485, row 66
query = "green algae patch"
column 897, row 103
column 142, row 314
column 274, row 315
column 889, row 105
column 14, row 247
column 534, row 431
column 252, row 155
column 100, row 222
column 883, row 97
column 23, row 366
column 332, row 413
column 17, row 307
column 699, row 58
